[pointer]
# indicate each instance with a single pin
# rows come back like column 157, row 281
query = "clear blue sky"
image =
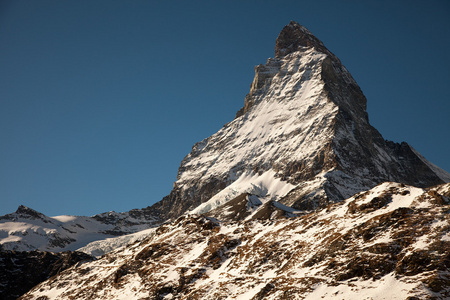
column 101, row 100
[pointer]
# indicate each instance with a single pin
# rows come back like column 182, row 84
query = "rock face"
column 391, row 242
column 303, row 138
column 33, row 267
column 295, row 37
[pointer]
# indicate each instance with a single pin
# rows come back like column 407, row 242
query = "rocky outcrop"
column 295, row 37
column 391, row 242
column 22, row 270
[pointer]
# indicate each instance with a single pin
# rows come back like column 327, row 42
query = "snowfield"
column 27, row 230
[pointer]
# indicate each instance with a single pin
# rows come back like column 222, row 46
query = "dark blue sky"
column 101, row 100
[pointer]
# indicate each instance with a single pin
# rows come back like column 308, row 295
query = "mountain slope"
column 27, row 229
column 303, row 138
column 23, row 270
column 391, row 242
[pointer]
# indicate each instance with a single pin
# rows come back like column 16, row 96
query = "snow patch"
column 388, row 288
column 265, row 185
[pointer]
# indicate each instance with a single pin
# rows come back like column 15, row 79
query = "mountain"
column 391, row 242
column 27, row 229
column 298, row 197
column 303, row 138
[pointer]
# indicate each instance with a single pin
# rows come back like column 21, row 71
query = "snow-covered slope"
column 100, row 247
column 303, row 128
column 27, row 229
column 264, row 185
column 391, row 242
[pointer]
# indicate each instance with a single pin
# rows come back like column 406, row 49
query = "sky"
column 101, row 100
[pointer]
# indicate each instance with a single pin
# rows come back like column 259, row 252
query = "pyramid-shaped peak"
column 302, row 139
column 293, row 37
column 26, row 211
column 296, row 26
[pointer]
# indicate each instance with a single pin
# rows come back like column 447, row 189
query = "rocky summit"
column 303, row 138
column 298, row 197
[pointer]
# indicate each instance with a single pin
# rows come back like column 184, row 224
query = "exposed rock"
column 22, row 270
column 294, row 37
column 305, row 122
column 390, row 242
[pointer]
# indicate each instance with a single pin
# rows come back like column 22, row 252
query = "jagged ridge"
column 387, row 243
column 304, row 122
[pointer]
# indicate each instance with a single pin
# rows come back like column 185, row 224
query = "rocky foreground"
column 392, row 242
column 22, row 270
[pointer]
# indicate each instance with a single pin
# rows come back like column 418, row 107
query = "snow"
column 53, row 294
column 446, row 237
column 103, row 246
column 269, row 252
column 59, row 233
column 64, row 218
column 404, row 201
column 397, row 201
column 265, row 185
column 285, row 208
column 422, row 242
column 253, row 201
column 290, row 121
column 388, row 288
column 250, row 293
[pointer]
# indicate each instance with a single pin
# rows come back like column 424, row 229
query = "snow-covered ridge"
column 289, row 120
column 369, row 246
column 271, row 132
column 27, row 229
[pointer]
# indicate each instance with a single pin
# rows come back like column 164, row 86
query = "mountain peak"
column 26, row 211
column 293, row 37
column 302, row 139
